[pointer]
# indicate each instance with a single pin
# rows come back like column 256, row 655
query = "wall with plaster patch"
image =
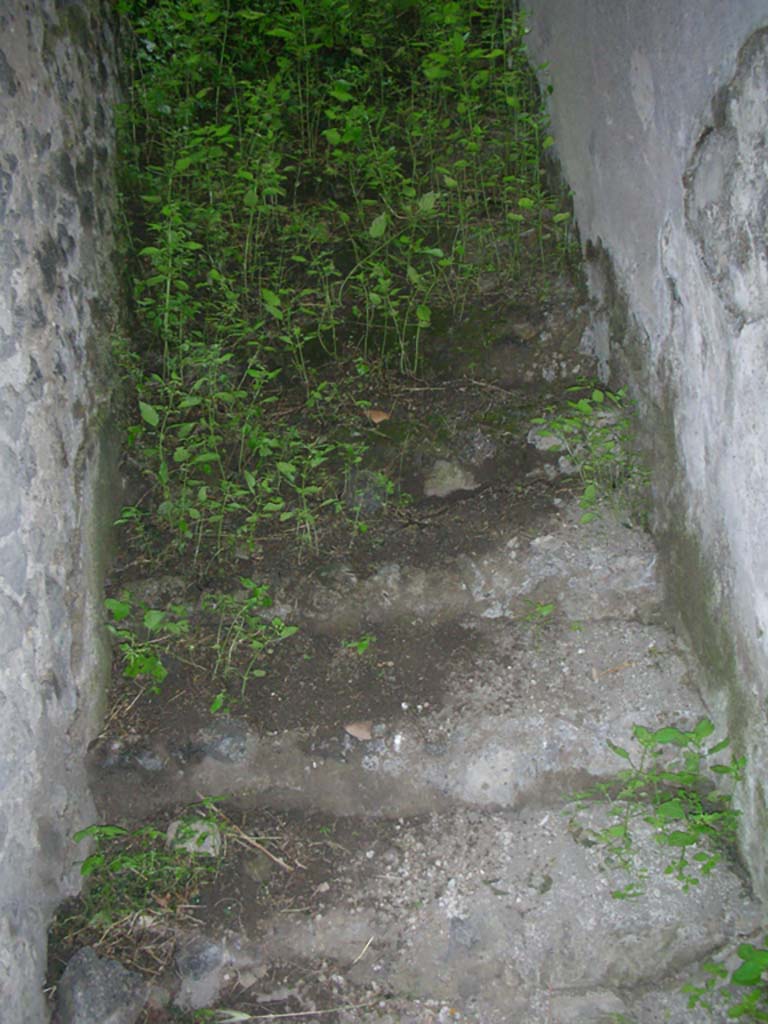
column 660, row 113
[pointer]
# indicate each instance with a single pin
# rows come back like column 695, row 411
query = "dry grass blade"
column 236, row 1016
column 244, row 839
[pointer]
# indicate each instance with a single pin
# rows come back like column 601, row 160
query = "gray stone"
column 160, row 591
column 599, row 571
column 93, row 990
column 10, row 496
column 226, row 739
column 258, row 867
column 446, row 477
column 200, row 964
column 459, row 917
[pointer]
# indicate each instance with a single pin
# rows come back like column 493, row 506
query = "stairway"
column 428, row 864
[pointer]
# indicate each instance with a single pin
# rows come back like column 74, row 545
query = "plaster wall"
column 660, row 114
column 57, row 78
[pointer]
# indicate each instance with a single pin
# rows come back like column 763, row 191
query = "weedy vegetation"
column 304, row 185
column 675, row 786
column 139, row 885
column 593, row 430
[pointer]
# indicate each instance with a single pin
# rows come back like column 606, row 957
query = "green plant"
column 143, row 635
column 360, row 645
column 539, row 613
column 672, row 788
column 137, row 871
column 594, row 434
column 243, row 629
column 721, row 988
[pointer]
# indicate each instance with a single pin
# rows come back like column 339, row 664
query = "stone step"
column 503, row 917
column 595, row 571
column 526, row 717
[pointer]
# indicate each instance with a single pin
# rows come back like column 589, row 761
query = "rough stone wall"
column 660, row 112
column 57, row 82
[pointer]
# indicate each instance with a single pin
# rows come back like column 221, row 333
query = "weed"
column 721, row 988
column 538, row 615
column 360, row 645
column 671, row 788
column 143, row 635
column 306, row 183
column 244, row 630
column 136, row 871
column 595, row 436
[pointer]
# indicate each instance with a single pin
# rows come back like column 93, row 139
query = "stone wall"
column 57, row 83
column 660, row 112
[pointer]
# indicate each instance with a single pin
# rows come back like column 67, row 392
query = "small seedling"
column 245, row 635
column 360, row 645
column 539, row 614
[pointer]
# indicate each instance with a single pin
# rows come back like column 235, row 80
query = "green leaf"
column 152, row 619
column 703, row 729
column 149, row 414
column 671, row 735
column 643, row 735
column 680, row 839
column 749, row 952
column 619, row 751
column 719, row 746
column 91, row 864
column 426, row 203
column 379, row 226
column 670, row 810
column 118, row 609
column 99, row 832
column 424, row 315
column 749, row 973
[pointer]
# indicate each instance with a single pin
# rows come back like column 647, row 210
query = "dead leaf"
column 377, row 415
column 360, row 730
